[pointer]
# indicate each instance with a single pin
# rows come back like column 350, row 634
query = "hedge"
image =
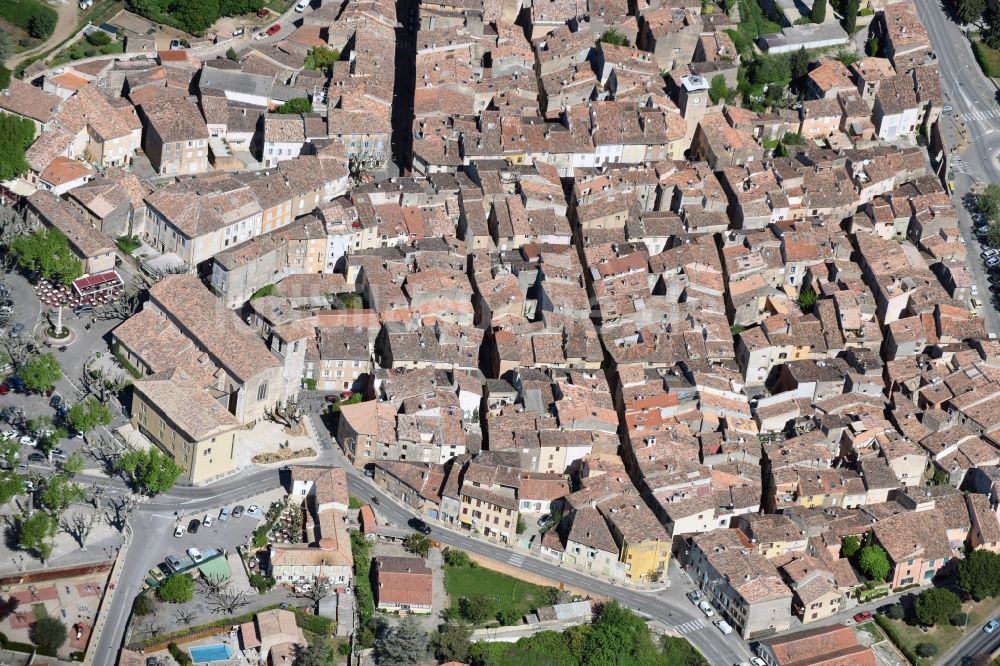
column 317, row 624
column 887, row 626
column 184, row 633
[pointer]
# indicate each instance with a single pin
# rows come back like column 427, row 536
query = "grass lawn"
column 944, row 636
column 19, row 12
column 872, row 630
column 84, row 49
column 989, row 59
column 508, row 592
column 39, row 611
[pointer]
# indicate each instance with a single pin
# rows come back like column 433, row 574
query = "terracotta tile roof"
column 403, row 580
column 26, row 100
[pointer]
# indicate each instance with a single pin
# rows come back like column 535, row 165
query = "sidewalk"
column 108, row 599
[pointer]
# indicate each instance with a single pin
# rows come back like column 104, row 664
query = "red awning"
column 96, row 282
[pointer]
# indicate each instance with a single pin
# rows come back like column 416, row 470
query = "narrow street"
column 408, row 20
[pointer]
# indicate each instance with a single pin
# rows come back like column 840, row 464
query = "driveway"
column 66, row 27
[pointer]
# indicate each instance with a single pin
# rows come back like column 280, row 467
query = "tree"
column 87, row 415
column 6, row 47
column 979, row 574
column 41, row 25
column 35, row 532
column 418, row 544
column 873, row 562
column 10, row 453
column 59, row 492
column 988, row 202
column 936, row 605
column 807, row 299
column 11, row 485
column 717, row 90
column 508, row 616
column 321, row 58
column 150, row 471
column 47, row 251
column 144, row 605
column 851, row 15
column 520, row 527
column 619, row 636
column 184, row 616
column 177, row 589
column 195, row 16
column 456, row 558
column 476, row 609
column 80, row 525
column 896, row 612
column 451, row 642
column 403, row 645
column 679, row 652
column 319, row 653
column 959, row 619
column 992, row 238
column 232, row 55
column 612, row 36
column 970, row 11
column 99, row 38
column 873, row 47
column 818, row 14
column 295, row 106
column 8, row 607
column 798, row 63
column 48, row 633
column 16, row 135
column 849, row 545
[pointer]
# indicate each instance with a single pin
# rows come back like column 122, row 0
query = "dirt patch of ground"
column 283, row 455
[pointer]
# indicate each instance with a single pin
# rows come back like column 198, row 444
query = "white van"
column 724, row 627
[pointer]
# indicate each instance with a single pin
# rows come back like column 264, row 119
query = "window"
column 262, row 391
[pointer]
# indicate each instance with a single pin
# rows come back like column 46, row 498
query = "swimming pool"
column 204, row 654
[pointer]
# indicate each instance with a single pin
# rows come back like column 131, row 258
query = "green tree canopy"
column 47, row 251
column 48, row 633
column 177, row 589
column 295, row 106
column 40, row 372
column 319, row 653
column 99, row 38
column 406, row 644
column 418, row 544
column 849, row 545
column 152, row 472
column 59, row 492
column 612, row 36
column 451, row 642
column 798, row 63
column 988, row 202
column 321, row 58
column 969, row 11
column 35, row 532
column 936, row 605
column 41, row 24
column 717, row 90
column 16, row 135
column 10, row 453
column 818, row 14
column 87, row 415
column 476, row 609
column 979, row 574
column 873, row 562
column 11, row 485
column 851, row 15
column 807, row 299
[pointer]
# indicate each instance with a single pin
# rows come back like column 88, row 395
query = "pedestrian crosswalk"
column 516, row 560
column 688, row 627
column 981, row 115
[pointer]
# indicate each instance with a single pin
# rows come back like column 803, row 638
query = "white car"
column 28, row 440
column 8, row 434
column 975, row 289
column 178, row 531
column 301, row 6
column 195, row 554
column 757, row 661
column 706, row 609
column 253, row 511
column 724, row 627
column 208, row 521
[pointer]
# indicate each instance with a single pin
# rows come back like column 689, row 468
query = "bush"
column 48, row 633
column 456, row 558
column 959, row 619
column 179, row 588
column 896, row 612
column 261, row 583
column 926, row 650
column 143, row 605
column 42, row 25
column 99, row 38
column 128, row 244
column 508, row 617
column 179, row 655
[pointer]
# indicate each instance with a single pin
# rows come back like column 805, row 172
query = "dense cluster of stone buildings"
column 598, row 297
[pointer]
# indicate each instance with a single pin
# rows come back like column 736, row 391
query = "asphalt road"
column 972, row 129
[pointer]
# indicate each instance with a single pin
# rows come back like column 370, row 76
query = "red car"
column 863, row 616
column 4, row 388
column 273, row 30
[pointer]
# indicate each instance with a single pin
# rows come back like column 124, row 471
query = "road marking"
column 688, row 627
column 516, row 560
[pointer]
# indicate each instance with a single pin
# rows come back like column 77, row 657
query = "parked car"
column 58, row 452
column 8, row 434
column 694, row 597
column 173, row 562
column 544, row 520
column 156, row 574
column 17, row 330
column 330, row 398
column 238, row 511
column 724, row 627
column 36, row 457
column 224, row 514
column 706, row 608
column 28, row 440
column 863, row 616
column 164, row 569
column 301, row 5
column 193, row 526
column 274, row 30
column 175, row 45
column 946, row 108
column 195, row 555
column 253, row 511
column 757, row 661
column 178, row 531
column 4, row 388
column 419, row 525
column 991, row 626
column 208, row 521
